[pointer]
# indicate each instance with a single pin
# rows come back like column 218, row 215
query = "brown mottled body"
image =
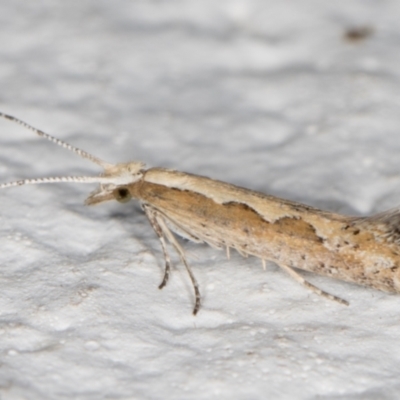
column 351, row 249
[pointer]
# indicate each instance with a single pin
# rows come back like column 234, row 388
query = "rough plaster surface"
column 265, row 94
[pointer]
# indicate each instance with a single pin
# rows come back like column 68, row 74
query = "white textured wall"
column 265, row 94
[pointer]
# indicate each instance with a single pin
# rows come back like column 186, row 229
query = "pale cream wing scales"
column 270, row 207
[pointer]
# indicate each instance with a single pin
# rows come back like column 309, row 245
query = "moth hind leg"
column 310, row 286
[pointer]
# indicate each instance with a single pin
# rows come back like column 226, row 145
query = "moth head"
column 113, row 182
column 118, row 178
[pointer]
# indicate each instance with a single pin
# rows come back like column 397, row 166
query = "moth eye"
column 122, row 194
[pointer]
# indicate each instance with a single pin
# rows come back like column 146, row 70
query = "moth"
column 362, row 250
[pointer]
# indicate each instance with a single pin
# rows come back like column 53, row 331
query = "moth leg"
column 310, row 286
column 171, row 238
column 157, row 229
column 264, row 264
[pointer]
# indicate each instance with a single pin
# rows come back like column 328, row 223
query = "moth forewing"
column 293, row 235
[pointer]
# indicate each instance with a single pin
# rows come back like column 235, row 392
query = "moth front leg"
column 149, row 211
column 158, row 223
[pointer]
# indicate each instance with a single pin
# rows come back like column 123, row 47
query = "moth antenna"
column 113, row 174
column 58, row 142
column 55, row 179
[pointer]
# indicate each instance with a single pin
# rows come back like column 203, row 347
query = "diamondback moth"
column 362, row 250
